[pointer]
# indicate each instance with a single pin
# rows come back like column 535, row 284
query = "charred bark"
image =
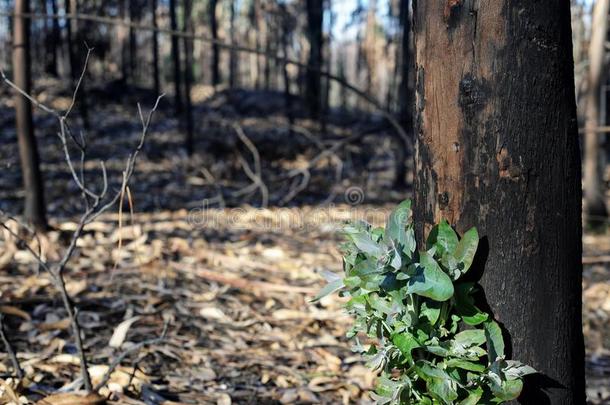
column 405, row 96
column 233, row 57
column 497, row 148
column 175, row 58
column 188, row 76
column 313, row 89
column 155, row 50
column 215, row 47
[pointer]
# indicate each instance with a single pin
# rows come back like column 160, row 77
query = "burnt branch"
column 95, row 203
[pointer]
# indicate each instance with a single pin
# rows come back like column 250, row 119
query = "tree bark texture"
column 497, row 148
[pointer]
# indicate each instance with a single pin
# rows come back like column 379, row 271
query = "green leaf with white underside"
column 397, row 230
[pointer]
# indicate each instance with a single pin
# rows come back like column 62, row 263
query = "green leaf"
column 464, row 305
column 465, row 364
column 443, row 237
column 363, row 241
column 473, row 397
column 516, row 369
column 429, row 280
column 469, row 338
column 430, row 310
column 507, row 390
column 330, row 288
column 405, row 343
column 396, row 228
column 466, row 248
column 438, row 382
column 495, row 341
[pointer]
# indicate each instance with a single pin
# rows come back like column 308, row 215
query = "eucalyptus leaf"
column 396, row 228
column 430, row 341
column 329, row 289
column 443, row 237
column 406, row 343
column 495, row 341
column 429, row 280
column 466, row 248
column 473, row 397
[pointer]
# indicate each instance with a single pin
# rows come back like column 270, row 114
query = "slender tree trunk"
column 70, row 31
column 188, row 76
column 497, row 148
column 133, row 50
column 56, row 39
column 74, row 50
column 314, row 35
column 595, row 204
column 122, row 37
column 155, row 50
column 215, row 48
column 405, row 95
column 34, row 206
column 341, row 73
column 176, row 58
column 49, row 42
column 233, row 57
column 285, row 34
column 267, row 69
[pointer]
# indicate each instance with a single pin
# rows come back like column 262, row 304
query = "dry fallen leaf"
column 213, row 313
column 120, row 379
column 223, row 399
column 11, row 310
column 58, row 325
column 120, row 332
column 73, row 398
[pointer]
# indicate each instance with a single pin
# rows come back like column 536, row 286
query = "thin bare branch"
column 10, row 351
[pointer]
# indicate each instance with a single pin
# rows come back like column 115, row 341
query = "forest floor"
column 233, row 282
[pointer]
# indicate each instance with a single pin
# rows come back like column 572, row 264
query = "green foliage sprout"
column 430, row 342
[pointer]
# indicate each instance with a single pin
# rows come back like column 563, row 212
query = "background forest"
column 171, row 245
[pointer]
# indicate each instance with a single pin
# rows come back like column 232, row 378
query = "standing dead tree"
column 34, row 209
column 594, row 201
column 175, row 58
column 96, row 201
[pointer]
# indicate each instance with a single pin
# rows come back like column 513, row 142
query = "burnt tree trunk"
column 595, row 204
column 215, row 47
column 56, row 40
column 497, row 148
column 122, row 37
column 132, row 43
column 233, row 57
column 155, row 50
column 175, row 58
column 34, row 207
column 313, row 91
column 188, row 76
column 70, row 32
column 405, row 96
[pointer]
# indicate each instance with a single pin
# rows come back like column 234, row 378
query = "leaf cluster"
column 424, row 333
